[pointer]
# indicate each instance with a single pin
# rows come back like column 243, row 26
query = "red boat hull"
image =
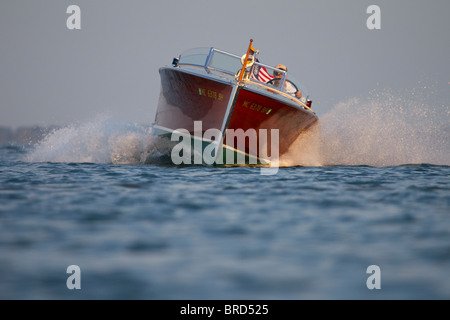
column 255, row 111
column 187, row 97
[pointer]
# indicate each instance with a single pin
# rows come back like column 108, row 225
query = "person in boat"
column 289, row 87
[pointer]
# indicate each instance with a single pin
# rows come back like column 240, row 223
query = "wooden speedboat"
column 214, row 103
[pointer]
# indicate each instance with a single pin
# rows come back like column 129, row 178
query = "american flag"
column 260, row 73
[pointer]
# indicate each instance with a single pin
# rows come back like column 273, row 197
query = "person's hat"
column 281, row 66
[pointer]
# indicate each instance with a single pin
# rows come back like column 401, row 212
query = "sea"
column 359, row 209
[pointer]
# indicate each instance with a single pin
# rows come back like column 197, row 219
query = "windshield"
column 196, row 57
column 211, row 58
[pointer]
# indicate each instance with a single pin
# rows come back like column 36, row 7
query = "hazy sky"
column 52, row 75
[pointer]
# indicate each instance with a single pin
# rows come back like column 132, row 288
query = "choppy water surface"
column 139, row 229
column 159, row 232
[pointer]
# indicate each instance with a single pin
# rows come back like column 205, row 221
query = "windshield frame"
column 211, row 58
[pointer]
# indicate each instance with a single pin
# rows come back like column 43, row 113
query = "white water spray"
column 99, row 141
column 382, row 130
